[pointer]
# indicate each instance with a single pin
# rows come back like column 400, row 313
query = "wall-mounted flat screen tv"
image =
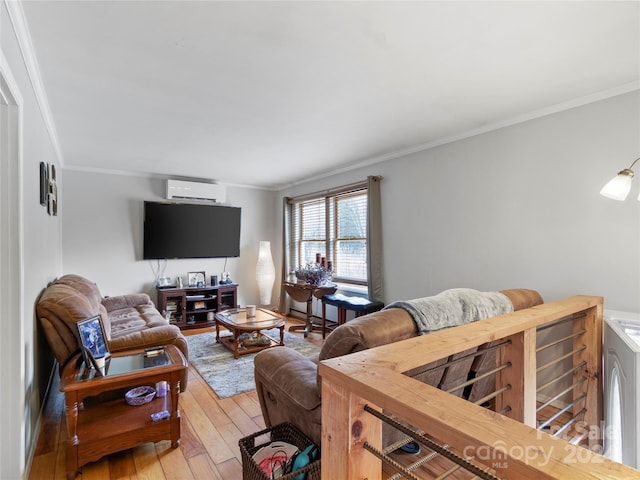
column 184, row 230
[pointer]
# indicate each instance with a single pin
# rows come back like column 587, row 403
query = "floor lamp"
column 265, row 272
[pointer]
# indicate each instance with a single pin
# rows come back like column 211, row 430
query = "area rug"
column 228, row 376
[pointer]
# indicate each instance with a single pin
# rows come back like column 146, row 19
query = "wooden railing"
column 502, row 445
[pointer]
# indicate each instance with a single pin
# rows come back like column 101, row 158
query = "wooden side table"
column 99, row 424
column 304, row 292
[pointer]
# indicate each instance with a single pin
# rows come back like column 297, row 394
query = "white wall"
column 25, row 371
column 102, row 233
column 516, row 207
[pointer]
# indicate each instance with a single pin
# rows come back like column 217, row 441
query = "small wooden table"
column 99, row 420
column 304, row 292
column 236, row 321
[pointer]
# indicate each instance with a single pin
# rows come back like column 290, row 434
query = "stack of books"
column 172, row 310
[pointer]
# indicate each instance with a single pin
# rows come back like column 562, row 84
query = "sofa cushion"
column 146, row 337
column 373, row 330
column 131, row 319
column 89, row 290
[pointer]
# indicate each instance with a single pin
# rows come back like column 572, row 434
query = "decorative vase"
column 265, row 272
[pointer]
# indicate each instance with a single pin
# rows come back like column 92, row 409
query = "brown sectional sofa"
column 130, row 321
column 289, row 387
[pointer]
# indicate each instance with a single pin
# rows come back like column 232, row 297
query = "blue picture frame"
column 92, row 340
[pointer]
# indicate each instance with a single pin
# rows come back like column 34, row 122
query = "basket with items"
column 284, row 453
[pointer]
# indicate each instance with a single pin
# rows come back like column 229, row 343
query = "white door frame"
column 12, row 320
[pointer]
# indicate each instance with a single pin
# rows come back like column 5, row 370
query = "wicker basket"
column 284, row 432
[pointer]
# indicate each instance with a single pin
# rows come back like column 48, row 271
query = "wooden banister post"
column 521, row 397
column 592, row 356
column 345, row 428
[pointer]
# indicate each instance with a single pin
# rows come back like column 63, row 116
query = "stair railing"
column 533, row 425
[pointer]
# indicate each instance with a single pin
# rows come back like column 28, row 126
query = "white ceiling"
column 271, row 93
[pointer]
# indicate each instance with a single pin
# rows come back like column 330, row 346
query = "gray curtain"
column 374, row 239
column 285, row 303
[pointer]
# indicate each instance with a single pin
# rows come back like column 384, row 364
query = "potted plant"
column 314, row 274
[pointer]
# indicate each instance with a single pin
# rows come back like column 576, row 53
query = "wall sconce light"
column 265, row 272
column 619, row 186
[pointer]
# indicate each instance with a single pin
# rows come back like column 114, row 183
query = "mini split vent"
column 195, row 191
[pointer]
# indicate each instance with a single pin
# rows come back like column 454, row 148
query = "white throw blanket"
column 454, row 307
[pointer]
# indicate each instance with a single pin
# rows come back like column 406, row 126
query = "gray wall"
column 26, row 358
column 516, row 207
column 102, row 233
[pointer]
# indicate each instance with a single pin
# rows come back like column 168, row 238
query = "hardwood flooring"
column 211, row 428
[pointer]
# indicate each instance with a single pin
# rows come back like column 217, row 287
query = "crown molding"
column 161, row 176
column 543, row 112
column 16, row 16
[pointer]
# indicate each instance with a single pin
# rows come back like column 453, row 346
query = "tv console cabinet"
column 196, row 307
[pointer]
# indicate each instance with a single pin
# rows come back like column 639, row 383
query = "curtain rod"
column 333, row 191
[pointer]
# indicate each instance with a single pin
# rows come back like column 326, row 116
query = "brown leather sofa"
column 289, row 387
column 130, row 321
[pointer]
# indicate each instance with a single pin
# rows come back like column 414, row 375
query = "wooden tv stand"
column 195, row 307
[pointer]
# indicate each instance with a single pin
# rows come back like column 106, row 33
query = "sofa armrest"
column 126, row 301
column 150, row 337
column 291, row 374
column 287, row 390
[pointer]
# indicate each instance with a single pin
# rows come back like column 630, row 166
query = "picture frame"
column 44, row 184
column 196, row 279
column 52, row 191
column 92, row 340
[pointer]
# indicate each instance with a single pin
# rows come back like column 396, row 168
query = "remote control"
column 156, row 417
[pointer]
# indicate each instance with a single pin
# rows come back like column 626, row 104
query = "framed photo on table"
column 92, row 340
column 196, row 279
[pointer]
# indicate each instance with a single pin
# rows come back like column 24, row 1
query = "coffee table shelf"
column 236, row 321
column 228, row 341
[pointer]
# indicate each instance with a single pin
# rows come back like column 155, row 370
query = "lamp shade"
column 618, row 187
column 265, row 272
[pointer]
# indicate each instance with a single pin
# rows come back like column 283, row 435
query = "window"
column 335, row 226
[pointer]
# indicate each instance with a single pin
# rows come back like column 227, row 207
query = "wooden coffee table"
column 236, row 321
column 99, row 420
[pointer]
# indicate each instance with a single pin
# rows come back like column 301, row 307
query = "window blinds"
column 333, row 224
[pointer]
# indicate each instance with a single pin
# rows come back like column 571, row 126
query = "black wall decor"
column 48, row 188
column 44, row 183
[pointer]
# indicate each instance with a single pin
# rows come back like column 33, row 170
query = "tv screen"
column 183, row 230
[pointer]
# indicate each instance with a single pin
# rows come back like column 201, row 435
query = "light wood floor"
column 211, row 428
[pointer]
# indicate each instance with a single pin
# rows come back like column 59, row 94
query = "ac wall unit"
column 204, row 192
